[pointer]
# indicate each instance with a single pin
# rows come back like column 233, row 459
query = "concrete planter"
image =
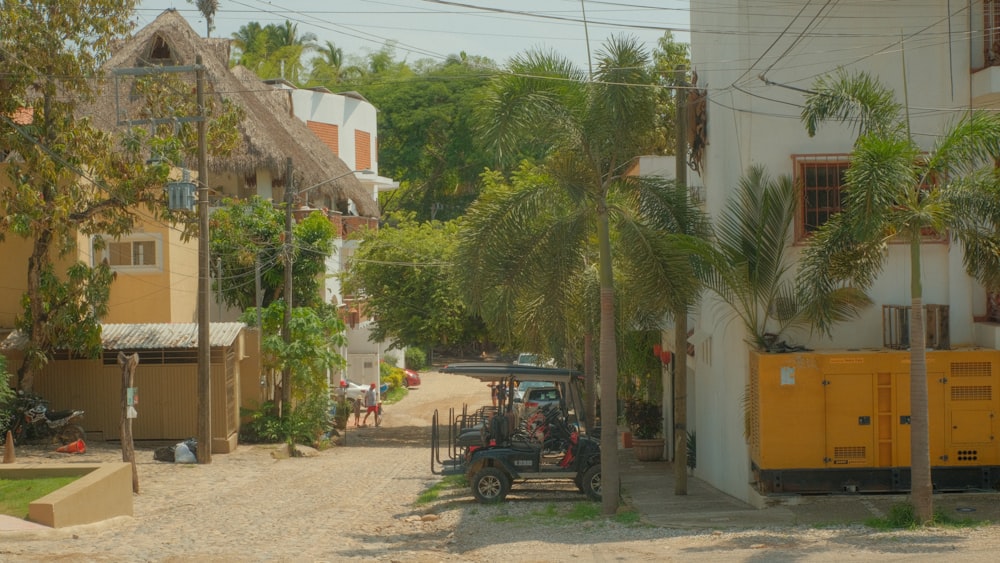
column 648, row 449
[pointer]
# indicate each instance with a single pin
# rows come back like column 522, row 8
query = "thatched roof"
column 270, row 132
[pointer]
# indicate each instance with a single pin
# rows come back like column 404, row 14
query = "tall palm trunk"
column 608, row 370
column 921, row 487
column 589, row 378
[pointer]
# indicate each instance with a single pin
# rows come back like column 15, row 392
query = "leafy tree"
column 667, row 56
column 895, row 191
column 65, row 181
column 317, row 334
column 249, row 232
column 402, row 271
column 593, row 128
column 428, row 139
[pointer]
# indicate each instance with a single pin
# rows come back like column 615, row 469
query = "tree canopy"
column 246, row 233
column 64, row 180
column 404, row 274
column 589, row 128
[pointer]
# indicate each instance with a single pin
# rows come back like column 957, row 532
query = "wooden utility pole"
column 128, row 364
column 286, row 329
column 204, row 454
column 680, row 313
column 204, row 384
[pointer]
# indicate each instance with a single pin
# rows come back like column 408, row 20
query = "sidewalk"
column 649, row 487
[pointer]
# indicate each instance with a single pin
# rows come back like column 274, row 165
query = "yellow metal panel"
column 971, row 405
column 970, row 427
column 850, row 420
column 799, row 421
column 791, row 411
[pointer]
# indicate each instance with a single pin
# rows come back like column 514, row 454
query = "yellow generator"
column 822, row 422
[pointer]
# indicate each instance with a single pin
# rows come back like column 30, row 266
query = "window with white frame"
column 137, row 252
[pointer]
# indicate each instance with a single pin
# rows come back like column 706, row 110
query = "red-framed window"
column 991, row 32
column 819, row 180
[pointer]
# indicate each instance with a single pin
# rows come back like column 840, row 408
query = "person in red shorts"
column 371, row 403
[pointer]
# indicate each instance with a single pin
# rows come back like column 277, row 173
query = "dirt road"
column 357, row 502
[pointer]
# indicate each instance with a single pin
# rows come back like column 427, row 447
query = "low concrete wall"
column 103, row 491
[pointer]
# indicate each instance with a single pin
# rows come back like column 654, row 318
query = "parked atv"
column 494, row 449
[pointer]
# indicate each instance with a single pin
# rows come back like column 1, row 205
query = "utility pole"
column 204, row 454
column 286, row 330
column 680, row 313
column 184, row 201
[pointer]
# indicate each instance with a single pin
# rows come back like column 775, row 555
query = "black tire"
column 490, row 485
column 71, row 433
column 591, row 483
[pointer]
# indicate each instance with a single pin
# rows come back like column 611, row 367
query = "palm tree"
column 897, row 192
column 748, row 267
column 330, row 54
column 207, row 9
column 591, row 130
column 252, row 41
column 287, row 35
column 328, row 67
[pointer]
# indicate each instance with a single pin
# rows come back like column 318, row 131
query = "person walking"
column 371, row 401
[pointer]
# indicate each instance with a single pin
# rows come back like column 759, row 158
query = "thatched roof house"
column 270, row 133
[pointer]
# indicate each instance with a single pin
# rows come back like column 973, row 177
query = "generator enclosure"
column 823, row 422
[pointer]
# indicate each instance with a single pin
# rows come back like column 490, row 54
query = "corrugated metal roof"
column 150, row 336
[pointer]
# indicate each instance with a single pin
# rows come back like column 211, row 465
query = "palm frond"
column 835, row 271
column 858, row 99
column 749, row 269
column 970, row 144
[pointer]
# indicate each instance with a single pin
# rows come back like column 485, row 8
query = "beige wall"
column 14, row 253
column 163, row 296
column 166, row 294
column 167, row 406
column 103, row 491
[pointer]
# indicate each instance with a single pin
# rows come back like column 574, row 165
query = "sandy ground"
column 357, row 502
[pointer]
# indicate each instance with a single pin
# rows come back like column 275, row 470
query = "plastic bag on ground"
column 183, row 455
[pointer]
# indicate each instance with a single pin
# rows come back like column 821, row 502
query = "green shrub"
column 7, row 397
column 307, row 423
column 415, row 358
column 903, row 516
column 345, row 409
column 392, row 375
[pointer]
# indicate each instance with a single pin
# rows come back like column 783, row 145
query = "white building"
column 755, row 58
column 347, row 123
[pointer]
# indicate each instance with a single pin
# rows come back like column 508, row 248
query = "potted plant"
column 644, row 419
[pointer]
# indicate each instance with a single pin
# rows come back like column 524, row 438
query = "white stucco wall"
column 349, row 114
column 753, row 122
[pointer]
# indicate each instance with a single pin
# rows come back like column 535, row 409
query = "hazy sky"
column 437, row 28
